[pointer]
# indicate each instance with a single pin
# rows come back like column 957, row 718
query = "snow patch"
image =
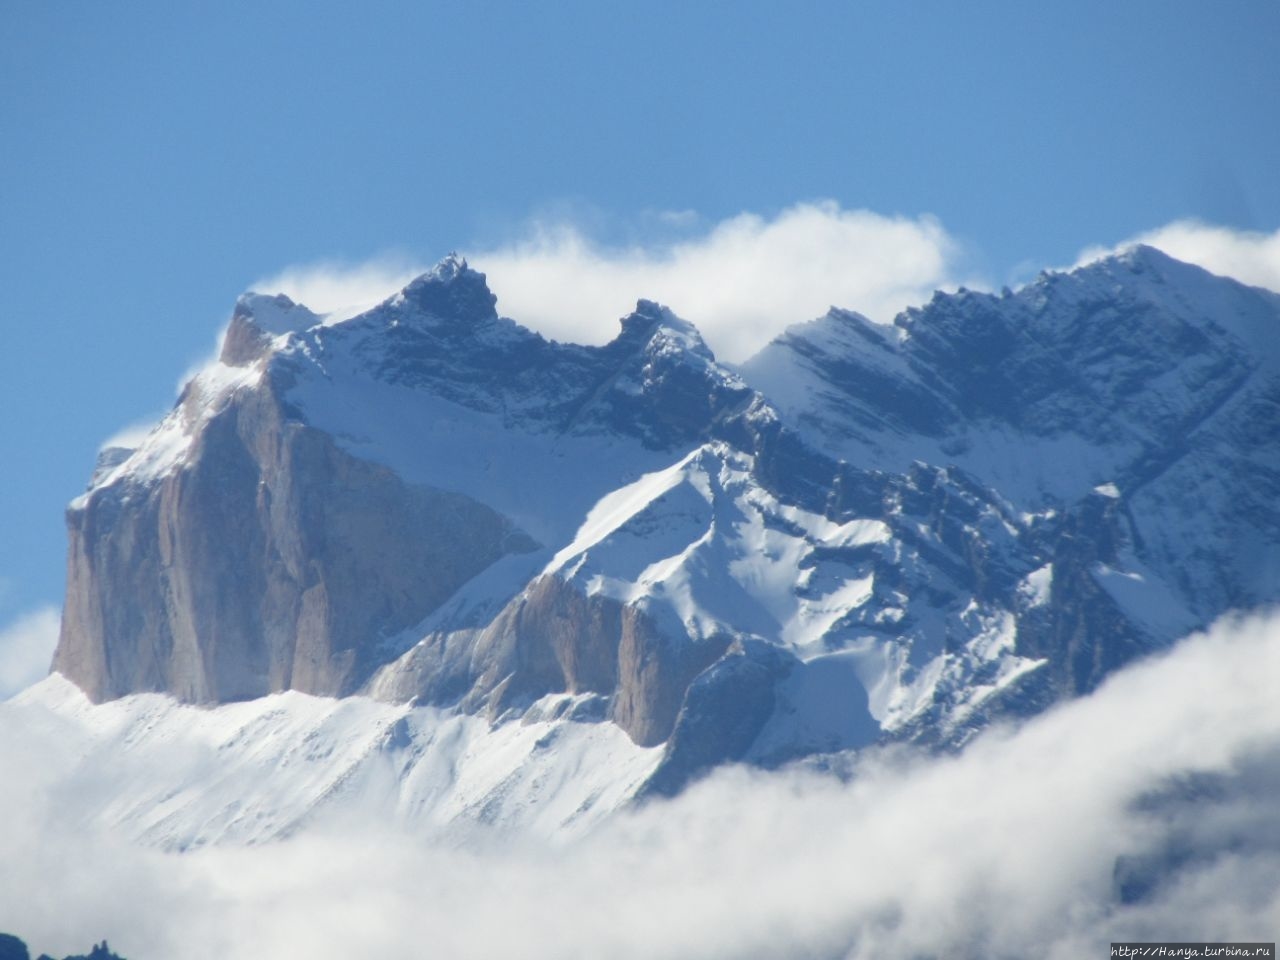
column 1144, row 597
column 276, row 315
column 1036, row 586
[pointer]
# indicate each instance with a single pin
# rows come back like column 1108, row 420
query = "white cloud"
column 130, row 437
column 341, row 289
column 742, row 281
column 1017, row 847
column 26, row 649
column 1248, row 256
column 203, row 362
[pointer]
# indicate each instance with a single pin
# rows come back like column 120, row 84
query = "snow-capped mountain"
column 592, row 573
column 1137, row 375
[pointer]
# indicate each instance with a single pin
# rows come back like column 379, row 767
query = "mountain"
column 542, row 559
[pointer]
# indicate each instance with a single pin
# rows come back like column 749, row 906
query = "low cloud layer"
column 26, row 648
column 1144, row 812
column 1248, row 256
column 742, row 280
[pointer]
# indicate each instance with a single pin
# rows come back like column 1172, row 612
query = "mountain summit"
column 865, row 533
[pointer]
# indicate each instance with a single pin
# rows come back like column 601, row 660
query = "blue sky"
column 158, row 159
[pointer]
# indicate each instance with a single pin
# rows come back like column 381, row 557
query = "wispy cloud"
column 342, row 289
column 131, row 436
column 1249, row 256
column 1144, row 812
column 26, row 649
column 742, row 280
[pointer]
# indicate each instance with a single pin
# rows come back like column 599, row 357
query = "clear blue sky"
column 154, row 160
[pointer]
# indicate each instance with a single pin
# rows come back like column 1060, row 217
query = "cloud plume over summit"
column 1249, row 256
column 741, row 280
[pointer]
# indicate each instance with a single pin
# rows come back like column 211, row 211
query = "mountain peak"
column 654, row 325
column 1141, row 255
column 258, row 317
column 647, row 316
column 1137, row 261
column 451, row 290
column 275, row 314
column 450, row 267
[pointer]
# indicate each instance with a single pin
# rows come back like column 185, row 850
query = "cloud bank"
column 1248, row 256
column 1144, row 812
column 742, row 281
column 26, row 649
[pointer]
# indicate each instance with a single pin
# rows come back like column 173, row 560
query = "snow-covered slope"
column 661, row 565
column 438, row 387
column 178, row 776
column 1043, row 394
column 1138, row 373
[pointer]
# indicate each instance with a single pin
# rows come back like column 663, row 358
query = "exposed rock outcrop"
column 272, row 560
column 551, row 639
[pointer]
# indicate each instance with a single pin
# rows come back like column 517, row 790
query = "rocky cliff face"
column 870, row 532
column 272, row 560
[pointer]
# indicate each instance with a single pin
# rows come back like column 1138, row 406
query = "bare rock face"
column 723, row 713
column 271, row 561
column 555, row 639
column 655, row 674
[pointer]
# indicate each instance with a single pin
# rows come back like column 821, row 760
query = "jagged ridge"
column 429, row 502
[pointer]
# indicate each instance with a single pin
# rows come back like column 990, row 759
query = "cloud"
column 1245, row 255
column 1143, row 812
column 340, row 289
column 742, row 280
column 130, row 437
column 26, row 649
